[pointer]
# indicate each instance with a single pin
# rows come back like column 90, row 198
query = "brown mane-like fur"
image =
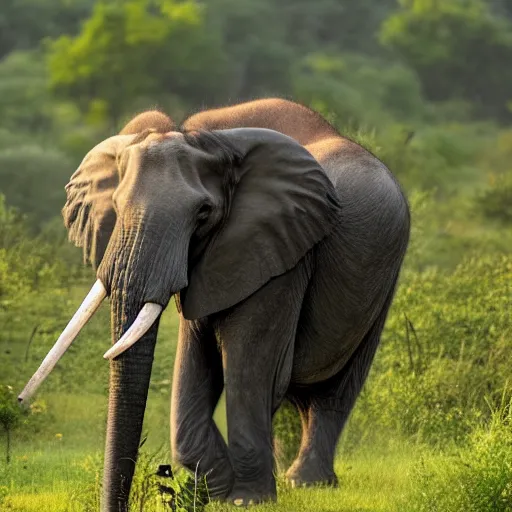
column 295, row 120
column 301, row 123
column 150, row 120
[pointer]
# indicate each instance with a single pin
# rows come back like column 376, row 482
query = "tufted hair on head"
column 150, row 120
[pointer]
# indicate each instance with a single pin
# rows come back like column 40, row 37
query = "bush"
column 441, row 158
column 33, row 180
column 34, row 271
column 28, row 262
column 13, row 417
column 358, row 90
column 496, row 201
column 445, row 353
column 479, row 478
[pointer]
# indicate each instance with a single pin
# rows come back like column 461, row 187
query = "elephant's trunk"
column 137, row 269
column 129, row 383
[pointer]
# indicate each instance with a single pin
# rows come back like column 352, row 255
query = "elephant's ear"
column 283, row 204
column 89, row 213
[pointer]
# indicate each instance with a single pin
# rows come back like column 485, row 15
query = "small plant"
column 12, row 416
column 88, row 495
column 154, row 488
column 4, row 491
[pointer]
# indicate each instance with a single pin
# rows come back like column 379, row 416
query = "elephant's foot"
column 300, row 482
column 311, row 476
column 247, row 494
column 248, row 499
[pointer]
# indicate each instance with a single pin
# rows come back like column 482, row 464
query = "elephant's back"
column 370, row 197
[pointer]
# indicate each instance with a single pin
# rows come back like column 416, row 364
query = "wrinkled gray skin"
column 283, row 263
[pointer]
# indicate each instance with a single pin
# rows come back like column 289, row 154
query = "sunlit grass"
column 51, row 502
column 56, row 465
column 57, row 478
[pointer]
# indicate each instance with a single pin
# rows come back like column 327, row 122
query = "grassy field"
column 56, row 459
column 56, row 467
column 56, row 477
column 432, row 430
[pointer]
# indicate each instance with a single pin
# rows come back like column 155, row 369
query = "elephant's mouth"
column 145, row 319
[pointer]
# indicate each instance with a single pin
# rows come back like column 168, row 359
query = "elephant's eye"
column 204, row 212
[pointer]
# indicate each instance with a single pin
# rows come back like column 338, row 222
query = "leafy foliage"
column 23, row 23
column 157, row 45
column 446, row 353
column 457, row 48
column 411, row 81
column 496, row 201
column 32, row 173
column 479, row 478
column 12, row 417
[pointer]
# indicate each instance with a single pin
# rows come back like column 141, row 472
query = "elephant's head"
column 208, row 216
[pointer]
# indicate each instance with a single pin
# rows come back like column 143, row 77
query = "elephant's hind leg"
column 325, row 408
column 257, row 345
column 198, row 382
column 322, row 422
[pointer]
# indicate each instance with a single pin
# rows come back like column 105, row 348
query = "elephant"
column 281, row 242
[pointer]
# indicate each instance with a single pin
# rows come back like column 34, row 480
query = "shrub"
column 33, row 179
column 478, row 479
column 445, row 349
column 496, row 201
column 13, row 417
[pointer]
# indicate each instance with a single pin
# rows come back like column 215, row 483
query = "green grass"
column 61, row 475
column 56, row 467
column 56, row 462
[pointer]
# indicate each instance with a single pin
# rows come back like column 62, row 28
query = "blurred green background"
column 424, row 84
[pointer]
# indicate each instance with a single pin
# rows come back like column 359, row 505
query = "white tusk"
column 145, row 319
column 89, row 306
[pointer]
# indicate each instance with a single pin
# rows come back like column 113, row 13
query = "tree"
column 254, row 37
column 458, row 48
column 136, row 49
column 345, row 26
column 357, row 90
column 23, row 23
column 502, row 7
column 25, row 102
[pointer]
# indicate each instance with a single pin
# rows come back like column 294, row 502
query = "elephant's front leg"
column 197, row 385
column 257, row 340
